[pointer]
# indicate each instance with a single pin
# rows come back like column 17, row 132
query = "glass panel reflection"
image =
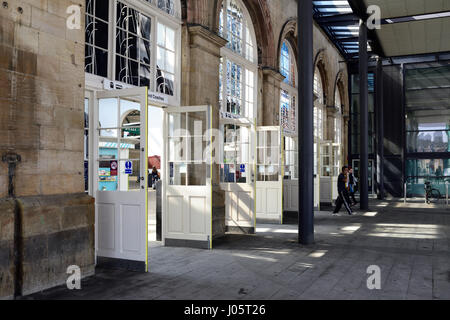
column 107, row 113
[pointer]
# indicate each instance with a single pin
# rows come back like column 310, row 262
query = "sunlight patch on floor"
column 248, row 256
column 318, row 254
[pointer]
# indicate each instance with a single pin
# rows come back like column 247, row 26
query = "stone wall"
column 42, row 119
column 41, row 97
column 57, row 232
column 7, row 208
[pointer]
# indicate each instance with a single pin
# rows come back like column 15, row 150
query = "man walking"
column 343, row 193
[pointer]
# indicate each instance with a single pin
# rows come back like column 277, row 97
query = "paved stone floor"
column 410, row 243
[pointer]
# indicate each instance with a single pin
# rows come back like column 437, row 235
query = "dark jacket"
column 352, row 180
column 341, row 183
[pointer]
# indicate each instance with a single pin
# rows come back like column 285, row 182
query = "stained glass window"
column 318, row 106
column 287, row 64
column 237, row 82
column 236, row 29
column 288, row 91
column 338, row 117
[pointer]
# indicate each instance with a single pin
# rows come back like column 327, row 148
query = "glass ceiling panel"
column 336, row 18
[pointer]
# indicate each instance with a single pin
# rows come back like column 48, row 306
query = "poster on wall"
column 113, row 169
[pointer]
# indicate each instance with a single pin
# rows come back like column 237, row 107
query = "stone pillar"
column 42, row 119
column 271, row 97
column 201, row 59
column 329, row 129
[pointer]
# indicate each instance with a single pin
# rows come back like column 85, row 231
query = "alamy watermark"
column 74, row 280
column 74, row 18
column 374, row 279
column 73, row 21
column 374, row 20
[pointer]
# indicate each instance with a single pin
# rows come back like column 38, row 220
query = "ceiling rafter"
column 338, row 20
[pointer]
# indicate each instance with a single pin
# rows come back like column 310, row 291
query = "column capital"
column 203, row 37
column 271, row 72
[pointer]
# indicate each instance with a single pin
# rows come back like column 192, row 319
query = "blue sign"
column 128, row 167
column 242, row 168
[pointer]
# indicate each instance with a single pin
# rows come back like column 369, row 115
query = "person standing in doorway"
column 352, row 185
column 343, row 193
column 155, row 177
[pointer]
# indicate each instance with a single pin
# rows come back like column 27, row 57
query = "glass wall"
column 427, row 111
column 355, row 114
column 355, row 127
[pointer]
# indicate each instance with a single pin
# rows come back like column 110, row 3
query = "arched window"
column 288, row 99
column 338, row 132
column 235, row 26
column 287, row 64
column 238, row 68
column 237, row 90
column 318, row 106
column 318, row 86
column 338, row 117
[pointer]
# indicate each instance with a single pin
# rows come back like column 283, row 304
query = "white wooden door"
column 238, row 177
column 187, row 191
column 290, row 195
column 269, row 179
column 290, row 173
column 120, row 178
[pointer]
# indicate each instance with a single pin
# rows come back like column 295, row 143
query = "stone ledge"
column 57, row 231
column 57, row 213
column 7, row 208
